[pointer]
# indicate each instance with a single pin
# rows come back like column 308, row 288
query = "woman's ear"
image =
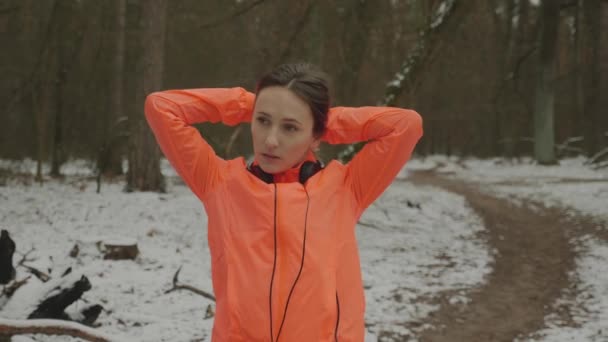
column 315, row 144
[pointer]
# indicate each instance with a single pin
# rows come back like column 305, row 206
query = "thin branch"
column 367, row 224
column 27, row 86
column 235, row 134
column 39, row 274
column 178, row 286
column 446, row 18
column 24, row 258
column 231, row 16
column 10, row 289
column 567, row 5
column 299, row 27
column 520, row 61
column 54, row 327
column 566, row 146
column 9, row 9
column 448, row 14
column 598, row 157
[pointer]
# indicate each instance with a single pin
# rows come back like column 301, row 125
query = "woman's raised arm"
column 391, row 133
column 171, row 114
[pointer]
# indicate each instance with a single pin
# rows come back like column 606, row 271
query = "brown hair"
column 307, row 82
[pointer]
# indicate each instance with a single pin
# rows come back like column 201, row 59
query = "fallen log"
column 7, row 249
column 121, row 250
column 55, row 303
column 50, row 300
column 46, row 300
column 9, row 327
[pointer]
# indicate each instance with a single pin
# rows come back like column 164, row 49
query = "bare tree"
column 358, row 19
column 144, row 154
column 544, row 135
column 43, row 95
column 588, row 76
column 110, row 159
column 511, row 18
column 446, row 17
column 67, row 43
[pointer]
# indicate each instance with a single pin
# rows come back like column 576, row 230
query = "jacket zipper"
column 338, row 318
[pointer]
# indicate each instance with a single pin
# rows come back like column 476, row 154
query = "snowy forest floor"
column 454, row 250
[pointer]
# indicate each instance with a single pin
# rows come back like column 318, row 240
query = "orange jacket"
column 256, row 231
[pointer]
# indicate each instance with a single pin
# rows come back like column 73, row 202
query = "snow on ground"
column 409, row 254
column 170, row 232
column 591, row 307
column 571, row 185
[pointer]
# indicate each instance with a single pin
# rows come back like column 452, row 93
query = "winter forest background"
column 495, row 231
column 482, row 73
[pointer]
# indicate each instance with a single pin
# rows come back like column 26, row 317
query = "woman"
column 281, row 230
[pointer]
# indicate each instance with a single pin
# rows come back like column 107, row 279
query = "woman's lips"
column 270, row 157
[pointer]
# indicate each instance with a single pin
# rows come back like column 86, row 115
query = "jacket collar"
column 292, row 174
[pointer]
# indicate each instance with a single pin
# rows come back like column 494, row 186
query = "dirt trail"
column 532, row 263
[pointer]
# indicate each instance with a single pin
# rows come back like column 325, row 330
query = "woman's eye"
column 291, row 128
column 263, row 121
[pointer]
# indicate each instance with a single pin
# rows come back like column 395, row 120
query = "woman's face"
column 282, row 129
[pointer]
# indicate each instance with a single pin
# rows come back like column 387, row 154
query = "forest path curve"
column 533, row 262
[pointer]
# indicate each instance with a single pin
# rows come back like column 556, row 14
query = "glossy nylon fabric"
column 248, row 218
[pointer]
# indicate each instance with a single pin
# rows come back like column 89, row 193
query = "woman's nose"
column 272, row 140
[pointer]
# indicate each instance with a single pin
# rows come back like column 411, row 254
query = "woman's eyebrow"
column 285, row 119
column 292, row 120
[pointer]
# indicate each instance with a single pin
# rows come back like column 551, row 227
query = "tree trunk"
column 544, row 139
column 505, row 27
column 589, row 75
column 113, row 162
column 359, row 18
column 67, row 37
column 43, row 93
column 59, row 75
column 41, row 133
column 443, row 22
column 144, row 154
column 579, row 91
column 7, row 249
column 57, row 150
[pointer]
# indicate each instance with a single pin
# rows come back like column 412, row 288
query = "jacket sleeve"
column 171, row 114
column 391, row 133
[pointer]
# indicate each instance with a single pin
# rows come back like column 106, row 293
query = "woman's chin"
column 270, row 168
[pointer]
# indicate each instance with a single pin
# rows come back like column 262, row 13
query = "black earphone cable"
column 338, row 319
column 301, row 264
column 274, row 266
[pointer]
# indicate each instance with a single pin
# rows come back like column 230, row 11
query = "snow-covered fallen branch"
column 54, row 327
column 567, row 147
column 13, row 286
column 598, row 157
column 46, row 300
column 178, row 286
